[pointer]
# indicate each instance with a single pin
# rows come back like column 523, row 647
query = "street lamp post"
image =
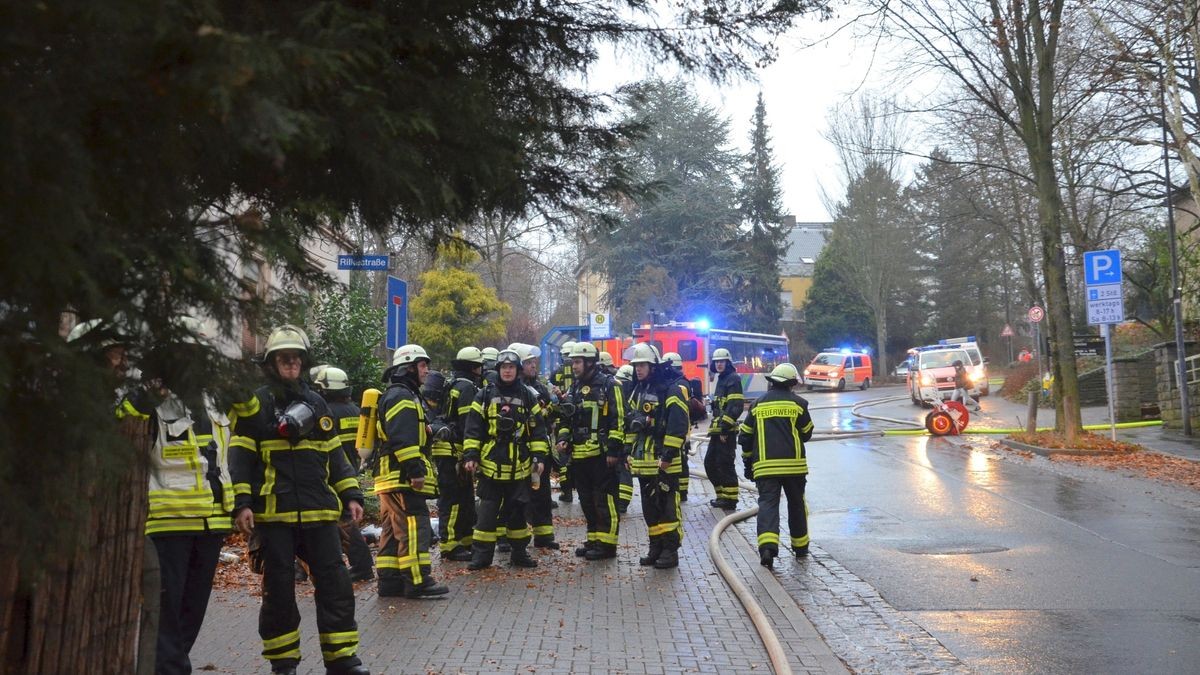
column 1176, row 286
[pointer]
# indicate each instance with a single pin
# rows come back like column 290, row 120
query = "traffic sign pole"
column 1108, row 377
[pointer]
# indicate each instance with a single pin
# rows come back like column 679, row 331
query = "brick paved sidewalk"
column 566, row 616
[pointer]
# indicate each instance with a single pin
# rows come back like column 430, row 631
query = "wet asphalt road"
column 1013, row 567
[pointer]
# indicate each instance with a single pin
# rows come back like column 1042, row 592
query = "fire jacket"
column 597, row 420
column 773, row 435
column 656, row 424
column 506, row 431
column 404, row 434
column 345, row 415
column 307, row 480
column 727, row 403
column 190, row 488
column 458, row 407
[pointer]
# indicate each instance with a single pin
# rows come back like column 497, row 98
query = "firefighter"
column 506, row 444
column 606, row 364
column 334, row 386
column 672, row 365
column 191, row 496
column 623, row 380
column 489, row 363
column 539, row 512
column 561, row 381
column 404, row 480
column 591, row 434
column 772, row 440
column 290, row 483
column 456, row 490
column 656, row 425
column 727, row 404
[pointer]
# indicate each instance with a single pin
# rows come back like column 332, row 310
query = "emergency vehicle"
column 931, row 375
column 977, row 366
column 754, row 354
column 838, row 369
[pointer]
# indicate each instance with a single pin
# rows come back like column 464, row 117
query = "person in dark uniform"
column 656, row 427
column 591, row 433
column 539, row 512
column 334, row 385
column 405, row 480
column 561, row 381
column 624, row 381
column 456, row 489
column 290, row 482
column 727, row 404
column 506, row 443
column 772, row 440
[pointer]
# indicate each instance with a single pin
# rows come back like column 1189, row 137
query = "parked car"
column 901, row 369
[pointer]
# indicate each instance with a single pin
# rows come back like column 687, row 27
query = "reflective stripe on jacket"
column 597, row 425
column 504, row 452
column 662, row 408
column 728, row 402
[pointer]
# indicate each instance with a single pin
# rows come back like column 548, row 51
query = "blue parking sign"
column 1102, row 267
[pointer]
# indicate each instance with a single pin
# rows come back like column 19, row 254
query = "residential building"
column 804, row 244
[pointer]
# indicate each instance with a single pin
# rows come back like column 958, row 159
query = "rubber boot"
column 582, row 551
column 566, row 496
column 800, row 551
column 545, row 542
column 426, row 589
column 766, row 558
column 601, row 552
column 391, row 587
column 520, row 557
column 481, row 557
column 504, row 546
column 668, row 559
column 459, row 554
column 651, row 557
column 352, row 670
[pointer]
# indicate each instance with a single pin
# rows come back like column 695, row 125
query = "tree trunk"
column 79, row 612
column 881, row 341
column 1058, row 301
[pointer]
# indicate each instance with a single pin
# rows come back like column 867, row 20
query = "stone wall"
column 1168, row 394
column 1135, row 384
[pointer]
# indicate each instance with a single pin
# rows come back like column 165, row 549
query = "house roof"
column 804, row 243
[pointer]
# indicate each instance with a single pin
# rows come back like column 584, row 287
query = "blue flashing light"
column 703, row 324
column 846, row 350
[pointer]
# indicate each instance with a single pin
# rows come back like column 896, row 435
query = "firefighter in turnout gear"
column 591, row 433
column 606, row 364
column 539, row 513
column 672, row 363
column 404, row 480
column 190, row 495
column 624, row 381
column 291, row 482
column 334, row 386
column 506, row 443
column 490, row 354
column 727, row 404
column 456, row 489
column 561, row 380
column 656, row 426
column 772, row 440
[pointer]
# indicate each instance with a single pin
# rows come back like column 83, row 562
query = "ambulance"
column 838, row 369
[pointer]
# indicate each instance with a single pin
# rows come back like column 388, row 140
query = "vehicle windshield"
column 976, row 357
column 943, row 359
column 827, row 360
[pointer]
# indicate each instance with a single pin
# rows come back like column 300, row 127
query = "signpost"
column 1035, row 316
column 397, row 312
column 599, row 326
column 1088, row 345
column 1008, row 333
column 1105, row 306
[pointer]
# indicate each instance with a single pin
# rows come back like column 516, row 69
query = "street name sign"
column 368, row 263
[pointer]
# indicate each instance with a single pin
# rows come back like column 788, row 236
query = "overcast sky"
column 818, row 68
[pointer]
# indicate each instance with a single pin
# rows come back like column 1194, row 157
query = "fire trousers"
column 660, row 507
column 187, row 563
column 539, row 512
column 768, row 511
column 404, row 544
column 596, row 484
column 624, row 487
column 456, row 506
column 356, row 549
column 319, row 547
column 718, row 464
column 502, row 505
